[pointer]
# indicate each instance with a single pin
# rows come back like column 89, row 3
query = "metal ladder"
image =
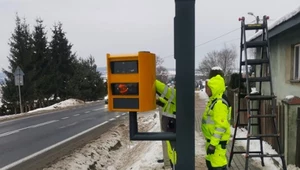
column 254, row 100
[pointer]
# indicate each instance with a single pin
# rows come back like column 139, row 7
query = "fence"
column 266, row 122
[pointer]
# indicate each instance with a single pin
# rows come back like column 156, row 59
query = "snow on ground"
column 60, row 105
column 202, row 95
column 114, row 150
column 255, row 146
column 63, row 104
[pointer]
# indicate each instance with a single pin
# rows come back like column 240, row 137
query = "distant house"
column 284, row 36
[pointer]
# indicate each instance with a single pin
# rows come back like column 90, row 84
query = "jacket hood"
column 216, row 85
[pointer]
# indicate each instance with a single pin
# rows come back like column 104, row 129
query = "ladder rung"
column 260, row 97
column 243, row 95
column 252, row 138
column 256, row 79
column 255, row 61
column 266, row 155
column 254, row 26
column 244, row 124
column 242, row 152
column 245, row 110
column 254, row 44
column 262, row 116
column 264, row 135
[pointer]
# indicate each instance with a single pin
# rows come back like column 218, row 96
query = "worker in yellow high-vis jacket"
column 216, row 124
column 167, row 99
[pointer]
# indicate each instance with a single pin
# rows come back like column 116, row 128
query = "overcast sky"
column 98, row 27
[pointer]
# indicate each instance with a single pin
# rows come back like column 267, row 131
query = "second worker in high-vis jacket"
column 167, row 100
column 216, row 124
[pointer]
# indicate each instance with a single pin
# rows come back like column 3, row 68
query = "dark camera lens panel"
column 126, row 103
column 124, row 67
column 125, row 88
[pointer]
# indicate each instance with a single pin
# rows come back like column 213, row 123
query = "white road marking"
column 42, row 124
column 68, row 125
column 9, row 133
column 117, row 116
column 99, row 109
column 87, row 112
column 76, row 115
column 49, row 148
column 64, row 118
column 28, row 127
column 111, row 119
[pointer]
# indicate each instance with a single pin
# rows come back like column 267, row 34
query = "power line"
column 209, row 40
column 217, row 37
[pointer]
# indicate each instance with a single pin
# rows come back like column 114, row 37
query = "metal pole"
column 20, row 100
column 184, row 46
column 257, row 22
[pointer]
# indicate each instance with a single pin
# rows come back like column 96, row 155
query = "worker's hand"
column 210, row 150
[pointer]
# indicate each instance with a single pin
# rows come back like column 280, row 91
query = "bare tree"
column 224, row 58
column 161, row 71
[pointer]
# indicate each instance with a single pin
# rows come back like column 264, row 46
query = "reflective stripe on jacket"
column 167, row 95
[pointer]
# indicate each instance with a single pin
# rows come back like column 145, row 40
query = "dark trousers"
column 169, row 125
column 208, row 164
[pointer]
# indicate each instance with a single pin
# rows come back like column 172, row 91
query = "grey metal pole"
column 184, row 46
column 257, row 22
column 20, row 99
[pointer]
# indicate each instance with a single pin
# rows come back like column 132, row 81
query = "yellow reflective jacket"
column 167, row 96
column 216, row 117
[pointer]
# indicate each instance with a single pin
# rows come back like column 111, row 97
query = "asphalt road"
column 22, row 137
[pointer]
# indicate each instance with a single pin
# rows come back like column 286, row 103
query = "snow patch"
column 60, row 105
column 113, row 150
column 63, row 104
column 292, row 167
column 253, row 90
column 202, row 94
column 289, row 97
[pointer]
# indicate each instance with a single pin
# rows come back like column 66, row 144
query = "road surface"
column 25, row 136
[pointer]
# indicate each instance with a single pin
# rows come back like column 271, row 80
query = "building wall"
column 281, row 58
column 281, row 48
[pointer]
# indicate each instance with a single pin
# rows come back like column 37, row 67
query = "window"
column 296, row 61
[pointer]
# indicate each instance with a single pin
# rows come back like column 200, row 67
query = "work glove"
column 210, row 150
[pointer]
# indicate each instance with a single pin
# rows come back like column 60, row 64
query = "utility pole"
column 184, row 46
